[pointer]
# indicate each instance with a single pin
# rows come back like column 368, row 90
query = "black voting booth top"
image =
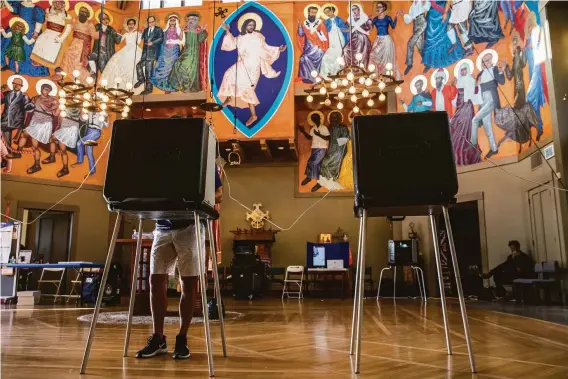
column 403, row 164
column 157, row 169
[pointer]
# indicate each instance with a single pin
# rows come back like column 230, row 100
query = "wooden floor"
column 294, row 339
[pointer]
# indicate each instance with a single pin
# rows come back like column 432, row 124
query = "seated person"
column 517, row 266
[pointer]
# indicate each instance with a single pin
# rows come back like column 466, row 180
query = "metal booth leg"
column 101, row 293
column 203, row 283
column 356, row 290
column 134, row 284
column 438, row 257
column 380, row 281
column 394, row 283
column 217, row 287
column 361, row 284
column 459, row 288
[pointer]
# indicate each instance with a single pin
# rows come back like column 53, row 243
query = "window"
column 172, row 3
column 154, row 4
column 151, row 4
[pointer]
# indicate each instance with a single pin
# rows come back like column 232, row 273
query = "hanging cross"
column 221, row 12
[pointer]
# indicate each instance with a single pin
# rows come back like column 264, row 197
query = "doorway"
column 544, row 224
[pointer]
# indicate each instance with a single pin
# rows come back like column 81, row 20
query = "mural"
column 253, row 59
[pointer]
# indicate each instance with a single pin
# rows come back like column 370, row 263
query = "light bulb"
column 388, row 66
column 355, row 109
column 76, row 73
column 85, row 110
column 63, row 114
column 314, row 73
column 323, row 91
column 365, row 93
column 352, row 90
column 333, row 85
column 84, row 116
column 318, row 79
column 362, row 65
column 340, row 105
column 358, row 56
column 382, row 85
column 124, row 114
column 101, row 118
column 368, row 82
column 344, row 82
column 63, row 73
column 341, row 61
column 61, row 93
column 86, row 104
column 327, row 102
column 105, row 98
column 87, row 96
column 62, row 101
column 371, row 68
column 370, row 103
column 350, row 76
column 89, row 80
column 128, row 86
column 126, row 109
column 398, row 89
column 103, row 106
column 361, row 80
column 129, row 101
column 341, row 95
column 309, row 98
column 382, row 97
column 62, row 107
column 104, row 82
column 354, row 98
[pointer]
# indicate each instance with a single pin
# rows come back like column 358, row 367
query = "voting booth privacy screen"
column 319, row 254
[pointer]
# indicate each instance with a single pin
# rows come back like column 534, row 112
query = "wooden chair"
column 56, row 282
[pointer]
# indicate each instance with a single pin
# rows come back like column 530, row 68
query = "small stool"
column 418, row 273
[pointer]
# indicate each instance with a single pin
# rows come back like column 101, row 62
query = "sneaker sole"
column 179, row 356
column 157, row 352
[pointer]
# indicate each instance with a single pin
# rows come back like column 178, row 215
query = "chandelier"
column 91, row 98
column 353, row 83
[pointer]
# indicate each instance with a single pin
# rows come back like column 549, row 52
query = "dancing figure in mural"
column 76, row 56
column 338, row 34
column 536, row 56
column 515, row 72
column 255, row 58
column 88, row 142
column 104, row 47
column 122, row 65
column 313, row 40
column 189, row 73
column 153, row 38
column 319, row 135
column 359, row 42
column 443, row 94
column 66, row 136
column 459, row 13
column 168, row 54
column 468, row 96
column 437, row 44
column 417, row 15
column 484, row 23
column 44, row 108
column 47, row 49
column 15, row 54
column 489, row 77
column 331, row 163
column 383, row 50
column 421, row 99
column 16, row 103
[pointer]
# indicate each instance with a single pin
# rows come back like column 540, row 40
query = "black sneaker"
column 181, row 351
column 156, row 345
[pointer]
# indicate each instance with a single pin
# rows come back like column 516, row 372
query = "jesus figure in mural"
column 254, row 57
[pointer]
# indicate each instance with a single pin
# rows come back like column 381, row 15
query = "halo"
column 98, row 14
column 252, row 16
column 25, row 84
column 67, row 5
column 13, row 20
column 352, row 5
column 415, row 79
column 130, row 18
column 334, row 111
column 350, row 116
column 35, row 1
column 374, row 112
column 170, row 15
column 82, row 4
column 479, row 61
column 41, row 82
column 469, row 63
column 389, row 5
column 323, row 15
column 309, row 118
column 433, row 77
column 320, row 11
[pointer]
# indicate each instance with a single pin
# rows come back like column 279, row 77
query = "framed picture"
column 25, row 256
column 324, row 238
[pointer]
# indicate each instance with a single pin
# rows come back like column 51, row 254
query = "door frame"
column 478, row 197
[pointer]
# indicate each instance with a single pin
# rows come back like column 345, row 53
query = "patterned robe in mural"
column 168, row 56
column 436, row 41
column 189, row 73
column 333, row 159
column 359, row 43
column 76, row 56
column 484, row 23
column 314, row 41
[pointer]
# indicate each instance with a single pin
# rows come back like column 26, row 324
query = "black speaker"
column 162, row 168
column 403, row 163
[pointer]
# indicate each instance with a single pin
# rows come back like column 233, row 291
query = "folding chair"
column 56, row 282
column 294, row 271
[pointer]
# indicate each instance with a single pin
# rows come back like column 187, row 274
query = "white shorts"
column 176, row 246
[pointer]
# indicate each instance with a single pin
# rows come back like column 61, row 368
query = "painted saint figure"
column 104, row 47
column 338, row 35
column 359, row 42
column 47, row 48
column 318, row 135
column 88, row 142
column 443, row 94
column 189, row 73
column 66, row 136
column 314, row 41
column 15, row 54
column 255, row 58
column 15, row 103
column 383, row 50
column 76, row 56
column 333, row 159
column 459, row 12
column 484, row 25
column 168, row 54
column 153, row 38
column 416, row 15
column 422, row 100
column 516, row 72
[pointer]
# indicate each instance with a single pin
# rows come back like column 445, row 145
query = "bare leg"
column 187, row 302
column 64, row 160
column 253, row 117
column 17, row 66
column 21, row 144
column 37, row 155
column 227, row 100
column 158, row 301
